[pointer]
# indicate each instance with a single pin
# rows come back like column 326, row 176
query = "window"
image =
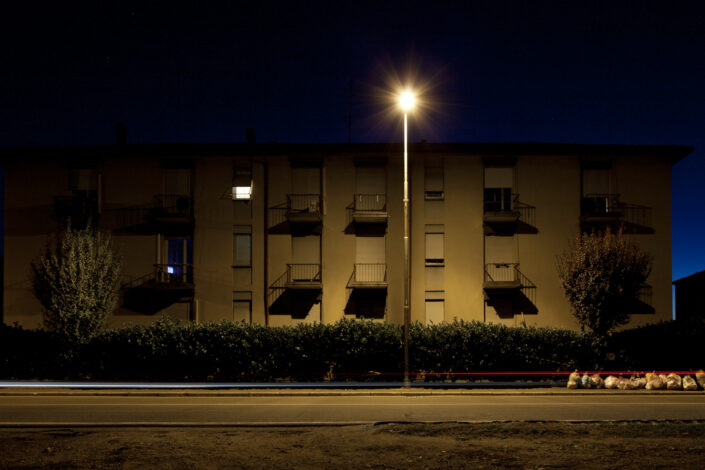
column 434, row 244
column 435, row 307
column 242, row 184
column 242, row 246
column 242, row 306
column 433, row 183
column 599, row 196
column 499, row 183
column 179, row 259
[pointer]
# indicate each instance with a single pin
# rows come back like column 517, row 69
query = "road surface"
column 204, row 410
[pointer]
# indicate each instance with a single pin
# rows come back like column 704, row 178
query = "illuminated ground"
column 395, row 446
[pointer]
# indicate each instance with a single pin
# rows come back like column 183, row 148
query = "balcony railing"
column 510, row 210
column 298, row 208
column 504, row 278
column 505, row 275
column 164, row 275
column 370, row 203
column 80, row 210
column 303, row 273
column 368, row 209
column 173, row 205
column 608, row 209
column 174, row 273
column 501, row 272
column 299, row 276
column 303, row 204
column 368, row 275
column 600, row 205
column 637, row 215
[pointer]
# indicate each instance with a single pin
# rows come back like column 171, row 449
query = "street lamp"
column 407, row 100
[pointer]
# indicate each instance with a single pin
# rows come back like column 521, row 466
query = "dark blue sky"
column 612, row 72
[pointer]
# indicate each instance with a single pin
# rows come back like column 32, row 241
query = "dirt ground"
column 397, row 446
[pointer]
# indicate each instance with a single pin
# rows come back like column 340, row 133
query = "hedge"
column 348, row 349
column 672, row 345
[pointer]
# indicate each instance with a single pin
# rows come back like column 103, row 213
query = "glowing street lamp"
column 407, row 100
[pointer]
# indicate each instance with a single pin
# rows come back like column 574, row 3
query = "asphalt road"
column 99, row 410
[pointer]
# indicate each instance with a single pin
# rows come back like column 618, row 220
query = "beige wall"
column 550, row 183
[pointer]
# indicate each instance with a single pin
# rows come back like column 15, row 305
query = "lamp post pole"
column 406, row 101
column 407, row 314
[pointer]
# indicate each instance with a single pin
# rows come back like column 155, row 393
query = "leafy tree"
column 77, row 282
column 601, row 275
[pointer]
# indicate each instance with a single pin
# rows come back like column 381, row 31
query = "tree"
column 601, row 275
column 77, row 282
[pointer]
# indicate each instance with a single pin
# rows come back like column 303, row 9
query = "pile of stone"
column 650, row 381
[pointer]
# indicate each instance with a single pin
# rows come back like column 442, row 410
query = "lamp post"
column 406, row 102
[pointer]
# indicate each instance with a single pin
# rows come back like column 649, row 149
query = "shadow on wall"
column 295, row 303
column 507, row 306
column 367, row 304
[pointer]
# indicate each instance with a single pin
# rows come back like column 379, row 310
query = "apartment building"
column 279, row 234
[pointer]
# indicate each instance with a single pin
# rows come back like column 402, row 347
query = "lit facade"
column 281, row 234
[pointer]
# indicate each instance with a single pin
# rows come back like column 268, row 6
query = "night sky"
column 612, row 72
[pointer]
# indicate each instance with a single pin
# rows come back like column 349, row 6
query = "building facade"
column 690, row 303
column 279, row 234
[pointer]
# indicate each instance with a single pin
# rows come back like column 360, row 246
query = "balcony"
column 157, row 290
column 301, row 213
column 367, row 291
column 168, row 214
column 502, row 277
column 599, row 211
column 508, row 290
column 296, row 290
column 79, row 209
column 368, row 276
column 503, row 215
column 369, row 209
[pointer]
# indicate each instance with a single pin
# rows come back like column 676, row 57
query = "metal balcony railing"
column 173, row 205
column 174, row 273
column 368, row 273
column 171, row 274
column 608, row 206
column 370, row 203
column 79, row 209
column 296, row 276
column 502, row 272
column 304, row 273
column 636, row 214
column 303, row 203
column 508, row 208
column 305, row 208
column 506, row 276
column 597, row 205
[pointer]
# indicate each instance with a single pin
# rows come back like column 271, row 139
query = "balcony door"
column 499, row 184
column 500, row 257
column 369, row 259
column 179, row 260
column 598, row 197
column 305, row 257
column 370, row 188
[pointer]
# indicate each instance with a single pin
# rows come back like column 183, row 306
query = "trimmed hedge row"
column 240, row 352
column 673, row 345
